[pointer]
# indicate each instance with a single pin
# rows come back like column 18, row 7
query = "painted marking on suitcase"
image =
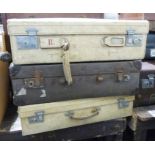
column 22, row 92
column 43, row 93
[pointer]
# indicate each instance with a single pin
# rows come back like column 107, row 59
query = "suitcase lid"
column 82, row 69
column 56, row 26
column 63, row 106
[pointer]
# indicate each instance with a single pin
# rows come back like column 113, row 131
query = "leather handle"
column 66, row 63
column 83, row 114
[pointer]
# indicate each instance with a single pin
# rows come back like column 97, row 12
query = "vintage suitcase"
column 149, row 16
column 105, row 130
column 145, row 95
column 58, row 115
column 131, row 16
column 142, row 121
column 6, row 16
column 33, row 84
column 150, row 47
column 36, row 41
column 4, row 80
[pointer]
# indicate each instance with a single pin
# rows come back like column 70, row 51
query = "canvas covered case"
column 58, row 115
column 4, row 80
column 33, row 84
column 150, row 47
column 58, row 40
column 145, row 95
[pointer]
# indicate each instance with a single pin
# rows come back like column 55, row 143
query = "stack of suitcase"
column 71, row 72
column 143, row 116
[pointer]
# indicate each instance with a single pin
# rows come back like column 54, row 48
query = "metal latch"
column 32, row 31
column 121, row 77
column 148, row 83
column 37, row 118
column 132, row 39
column 36, row 82
column 122, row 103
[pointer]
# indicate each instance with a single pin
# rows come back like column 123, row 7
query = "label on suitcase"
column 35, row 41
column 33, row 84
column 145, row 95
column 58, row 115
column 150, row 47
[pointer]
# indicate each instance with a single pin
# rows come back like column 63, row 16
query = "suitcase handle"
column 62, row 44
column 65, row 61
column 114, row 41
column 83, row 114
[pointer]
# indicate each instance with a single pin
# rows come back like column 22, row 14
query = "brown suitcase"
column 145, row 95
column 131, row 16
column 34, row 84
column 3, row 81
column 149, row 16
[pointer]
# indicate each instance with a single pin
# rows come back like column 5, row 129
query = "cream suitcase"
column 58, row 115
column 57, row 40
column 45, row 40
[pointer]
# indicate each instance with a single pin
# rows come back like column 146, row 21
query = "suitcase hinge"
column 132, row 39
column 37, row 118
column 122, row 103
column 32, row 31
column 148, row 83
column 36, row 82
column 121, row 77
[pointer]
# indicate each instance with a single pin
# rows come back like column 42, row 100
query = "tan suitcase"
column 132, row 16
column 58, row 115
column 4, row 83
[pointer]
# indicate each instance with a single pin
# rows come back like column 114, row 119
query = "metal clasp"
column 32, row 31
column 122, row 103
column 121, row 77
column 36, row 82
column 148, row 83
column 37, row 118
column 132, row 39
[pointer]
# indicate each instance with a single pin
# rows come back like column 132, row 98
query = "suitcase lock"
column 37, row 118
column 132, row 39
column 36, row 82
column 148, row 83
column 122, row 103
